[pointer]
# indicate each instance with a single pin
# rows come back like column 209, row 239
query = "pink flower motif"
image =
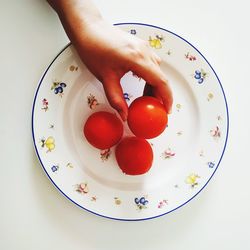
column 190, row 57
column 45, row 104
column 92, row 101
column 216, row 133
column 167, row 154
column 82, row 188
column 105, row 154
column 162, row 203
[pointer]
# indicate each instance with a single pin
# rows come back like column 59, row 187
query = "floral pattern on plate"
column 168, row 153
column 48, row 143
column 200, row 75
column 82, row 188
column 58, row 87
column 190, row 57
column 45, row 104
column 192, row 180
column 92, row 101
column 156, row 41
column 141, row 202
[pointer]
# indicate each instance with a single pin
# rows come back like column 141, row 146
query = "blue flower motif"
column 127, row 96
column 54, row 168
column 141, row 202
column 58, row 87
column 200, row 75
column 137, row 201
column 211, row 164
column 200, row 81
column 133, row 32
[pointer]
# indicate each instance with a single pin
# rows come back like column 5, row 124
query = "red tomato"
column 147, row 117
column 103, row 130
column 134, row 155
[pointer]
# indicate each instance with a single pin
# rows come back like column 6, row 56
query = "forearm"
column 84, row 8
column 76, row 16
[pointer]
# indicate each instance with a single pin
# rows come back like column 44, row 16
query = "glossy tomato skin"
column 103, row 130
column 134, row 155
column 147, row 117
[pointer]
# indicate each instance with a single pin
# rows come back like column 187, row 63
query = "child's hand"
column 109, row 53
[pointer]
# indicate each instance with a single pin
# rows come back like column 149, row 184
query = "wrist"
column 77, row 16
column 71, row 11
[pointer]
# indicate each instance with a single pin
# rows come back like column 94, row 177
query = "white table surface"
column 34, row 215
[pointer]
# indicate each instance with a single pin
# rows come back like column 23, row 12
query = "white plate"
column 186, row 155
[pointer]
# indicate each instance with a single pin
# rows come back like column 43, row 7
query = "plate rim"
column 127, row 219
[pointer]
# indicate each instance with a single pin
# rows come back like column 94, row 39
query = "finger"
column 166, row 94
column 114, row 93
column 153, row 75
column 157, row 59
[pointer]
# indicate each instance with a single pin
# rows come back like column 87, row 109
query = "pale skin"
column 109, row 53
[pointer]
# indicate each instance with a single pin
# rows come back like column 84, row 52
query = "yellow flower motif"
column 156, row 42
column 210, row 96
column 117, row 201
column 49, row 143
column 192, row 180
column 178, row 106
column 69, row 165
column 73, row 68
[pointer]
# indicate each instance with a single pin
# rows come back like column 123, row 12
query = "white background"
column 34, row 215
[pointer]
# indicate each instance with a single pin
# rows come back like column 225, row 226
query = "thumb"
column 114, row 94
